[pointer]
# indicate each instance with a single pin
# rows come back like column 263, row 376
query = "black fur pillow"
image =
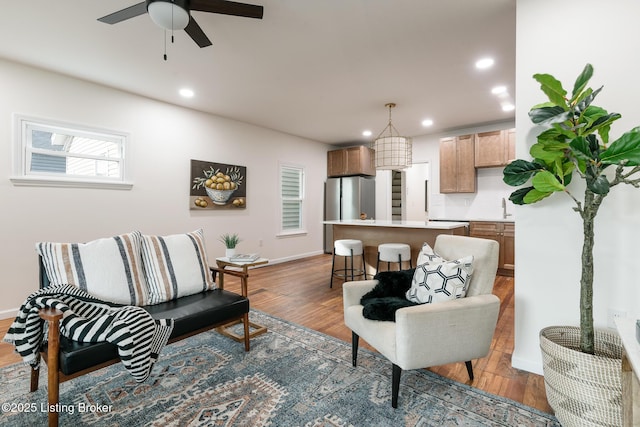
column 388, row 295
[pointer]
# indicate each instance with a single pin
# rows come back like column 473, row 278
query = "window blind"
column 291, row 196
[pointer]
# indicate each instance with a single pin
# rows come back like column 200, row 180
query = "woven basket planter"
column 584, row 390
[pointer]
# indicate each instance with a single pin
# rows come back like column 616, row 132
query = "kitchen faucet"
column 504, row 209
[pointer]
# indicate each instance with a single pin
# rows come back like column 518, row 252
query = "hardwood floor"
column 299, row 292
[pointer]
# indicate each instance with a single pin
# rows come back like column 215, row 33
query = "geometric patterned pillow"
column 109, row 269
column 436, row 282
column 175, row 266
column 427, row 255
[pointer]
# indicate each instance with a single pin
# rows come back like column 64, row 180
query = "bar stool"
column 347, row 248
column 394, row 252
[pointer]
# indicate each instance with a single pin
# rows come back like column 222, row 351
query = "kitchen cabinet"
column 504, row 234
column 495, row 148
column 457, row 164
column 511, row 145
column 351, row 161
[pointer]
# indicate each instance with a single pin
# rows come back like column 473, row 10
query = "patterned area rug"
column 292, row 376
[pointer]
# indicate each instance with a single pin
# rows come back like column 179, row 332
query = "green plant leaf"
column 543, row 104
column 519, row 171
column 600, row 185
column 582, row 80
column 558, row 169
column 553, row 89
column 569, row 167
column 584, row 99
column 601, row 120
column 548, row 152
column 625, row 149
column 553, row 134
column 546, row 182
column 517, row 197
column 603, row 131
column 580, row 148
column 534, row 196
column 549, row 115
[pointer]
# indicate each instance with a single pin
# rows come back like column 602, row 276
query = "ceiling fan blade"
column 196, row 33
column 228, row 8
column 127, row 13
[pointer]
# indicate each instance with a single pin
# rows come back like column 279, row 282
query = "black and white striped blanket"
column 137, row 335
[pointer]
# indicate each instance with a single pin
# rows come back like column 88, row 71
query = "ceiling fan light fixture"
column 392, row 151
column 170, row 15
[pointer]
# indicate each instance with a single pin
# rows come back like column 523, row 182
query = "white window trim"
column 22, row 177
column 302, row 230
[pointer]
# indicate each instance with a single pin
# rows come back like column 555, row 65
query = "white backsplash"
column 485, row 203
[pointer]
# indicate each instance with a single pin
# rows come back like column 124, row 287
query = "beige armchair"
column 433, row 334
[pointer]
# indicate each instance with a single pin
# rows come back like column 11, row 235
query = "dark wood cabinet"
column 504, row 234
column 351, row 161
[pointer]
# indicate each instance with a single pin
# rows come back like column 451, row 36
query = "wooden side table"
column 239, row 269
column 630, row 371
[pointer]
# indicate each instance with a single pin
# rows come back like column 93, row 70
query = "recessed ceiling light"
column 427, row 122
column 484, row 63
column 186, row 93
column 508, row 107
column 366, row 133
column 498, row 90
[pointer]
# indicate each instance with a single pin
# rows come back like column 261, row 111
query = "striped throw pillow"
column 110, row 269
column 175, row 265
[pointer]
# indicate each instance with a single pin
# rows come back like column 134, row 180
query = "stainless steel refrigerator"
column 347, row 198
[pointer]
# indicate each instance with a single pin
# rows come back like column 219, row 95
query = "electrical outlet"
column 260, row 242
column 612, row 315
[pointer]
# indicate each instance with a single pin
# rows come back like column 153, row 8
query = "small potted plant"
column 230, row 241
column 581, row 364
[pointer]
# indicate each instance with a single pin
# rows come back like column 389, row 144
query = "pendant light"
column 392, row 150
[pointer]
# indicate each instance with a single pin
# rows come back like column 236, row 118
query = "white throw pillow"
column 109, row 269
column 175, row 266
column 436, row 282
column 427, row 255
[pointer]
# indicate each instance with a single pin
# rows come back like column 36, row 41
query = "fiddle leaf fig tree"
column 576, row 143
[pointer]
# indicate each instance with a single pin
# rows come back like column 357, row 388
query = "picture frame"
column 215, row 186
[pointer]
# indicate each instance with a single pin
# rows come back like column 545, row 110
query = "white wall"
column 559, row 38
column 164, row 138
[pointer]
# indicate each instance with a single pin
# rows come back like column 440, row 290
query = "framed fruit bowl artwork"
column 217, row 186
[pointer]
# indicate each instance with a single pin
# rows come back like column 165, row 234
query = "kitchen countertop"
column 475, row 219
column 431, row 225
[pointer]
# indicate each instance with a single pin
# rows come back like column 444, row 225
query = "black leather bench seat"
column 190, row 313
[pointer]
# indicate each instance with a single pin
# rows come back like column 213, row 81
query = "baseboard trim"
column 526, row 365
column 294, row 257
column 8, row 314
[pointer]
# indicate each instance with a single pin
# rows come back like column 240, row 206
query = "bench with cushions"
column 168, row 276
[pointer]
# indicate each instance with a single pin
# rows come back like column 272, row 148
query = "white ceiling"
column 320, row 69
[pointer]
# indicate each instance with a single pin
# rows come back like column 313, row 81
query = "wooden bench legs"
column 53, row 381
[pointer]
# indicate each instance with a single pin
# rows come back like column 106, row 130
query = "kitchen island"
column 374, row 232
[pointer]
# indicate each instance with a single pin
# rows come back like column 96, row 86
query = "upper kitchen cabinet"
column 495, row 148
column 457, row 164
column 351, row 161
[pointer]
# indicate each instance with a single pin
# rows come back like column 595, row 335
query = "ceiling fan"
column 175, row 14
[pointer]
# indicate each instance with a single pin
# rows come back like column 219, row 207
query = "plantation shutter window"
column 292, row 195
